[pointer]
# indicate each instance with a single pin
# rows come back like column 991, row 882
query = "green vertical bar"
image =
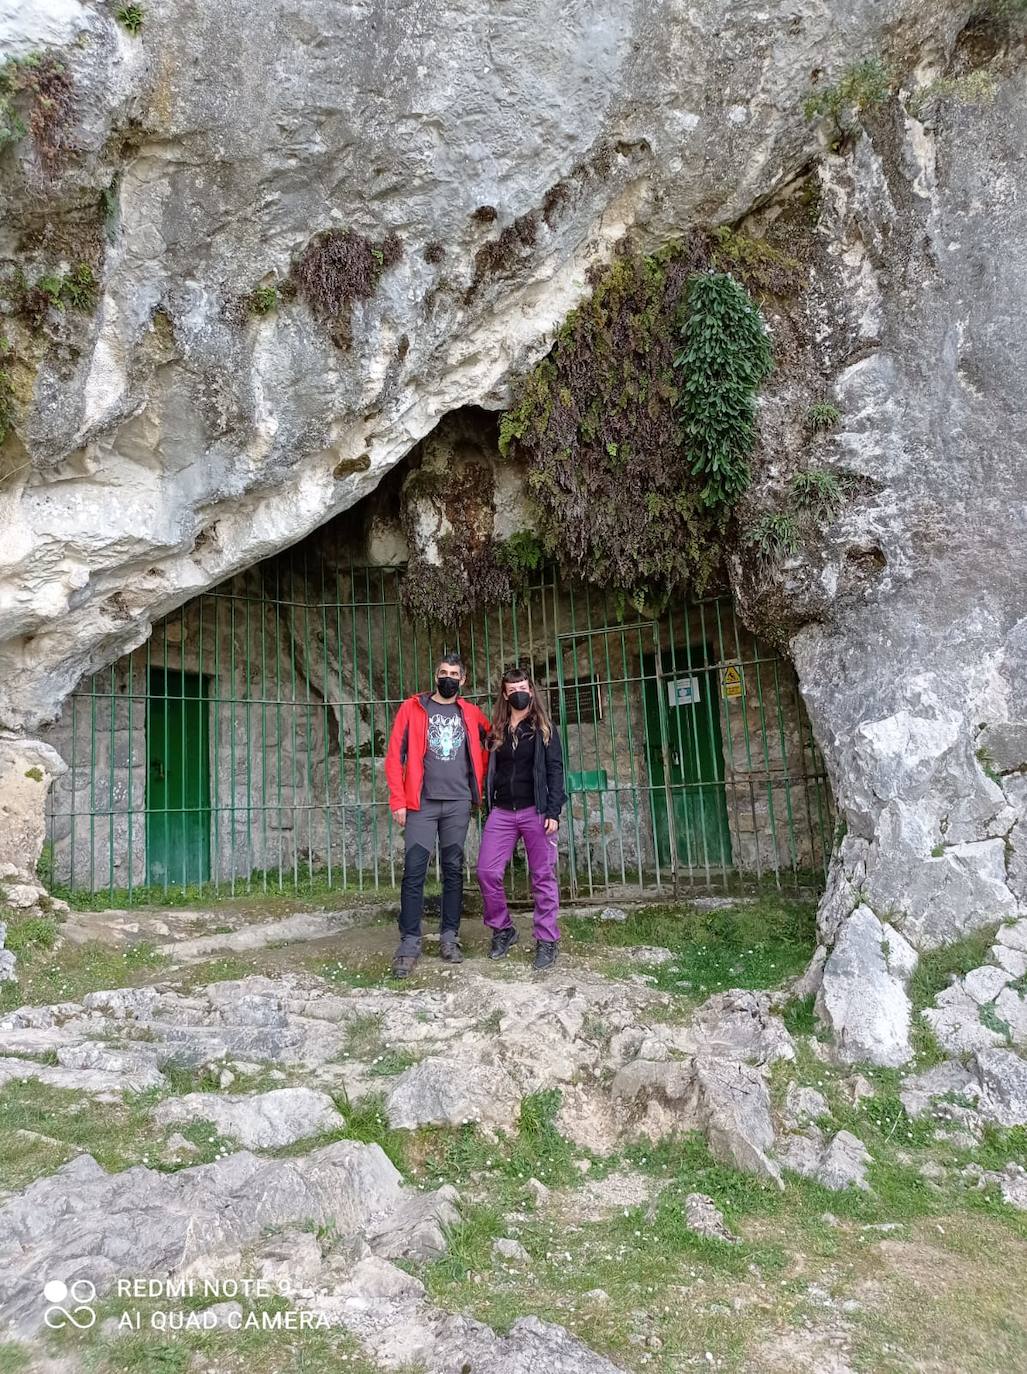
column 612, row 716
column 112, row 758
column 766, row 764
column 716, row 788
column 92, row 783
column 130, row 786
column 371, row 722
column 690, row 858
column 746, row 688
column 357, row 790
column 342, row 721
column 233, row 740
column 265, row 688
column 293, row 713
column 594, row 676
column 376, row 758
column 203, row 734
column 308, row 751
column 217, row 784
column 786, row 772
column 326, row 725
column 724, row 705
column 279, row 719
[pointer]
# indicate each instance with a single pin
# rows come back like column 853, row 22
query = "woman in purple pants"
column 525, row 795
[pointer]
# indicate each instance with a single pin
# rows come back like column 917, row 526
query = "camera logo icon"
column 69, row 1304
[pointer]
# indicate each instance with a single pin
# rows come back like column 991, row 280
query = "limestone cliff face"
column 172, row 437
column 482, row 157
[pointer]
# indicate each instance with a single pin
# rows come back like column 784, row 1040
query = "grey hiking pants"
column 444, row 822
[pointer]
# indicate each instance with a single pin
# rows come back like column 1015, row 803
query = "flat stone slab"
column 260, row 1121
column 448, row 1092
column 303, row 925
column 109, row 1084
column 83, row 1222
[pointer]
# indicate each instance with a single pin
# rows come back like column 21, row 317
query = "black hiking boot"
column 545, row 954
column 407, row 954
column 501, row 942
column 449, row 948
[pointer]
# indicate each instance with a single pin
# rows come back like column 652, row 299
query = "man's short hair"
column 454, row 659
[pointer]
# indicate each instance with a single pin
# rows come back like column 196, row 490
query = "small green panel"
column 594, row 781
column 177, row 778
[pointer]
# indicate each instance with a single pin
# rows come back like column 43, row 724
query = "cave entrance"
column 690, row 759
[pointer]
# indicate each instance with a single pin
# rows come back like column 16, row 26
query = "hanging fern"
column 724, row 357
column 637, row 428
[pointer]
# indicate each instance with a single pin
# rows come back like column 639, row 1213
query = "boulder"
column 919, row 1092
column 956, row 1022
column 261, row 1121
column 449, row 1092
column 1003, row 1080
column 862, row 996
column 704, row 1217
column 733, row 1106
column 803, row 1105
column 741, row 1025
column 836, row 1162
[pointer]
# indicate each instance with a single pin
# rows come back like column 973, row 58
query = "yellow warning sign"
column 731, row 681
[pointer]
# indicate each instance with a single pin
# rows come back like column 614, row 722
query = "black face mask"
column 519, row 700
column 447, row 686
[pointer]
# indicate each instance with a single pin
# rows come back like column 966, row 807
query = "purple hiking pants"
column 498, row 841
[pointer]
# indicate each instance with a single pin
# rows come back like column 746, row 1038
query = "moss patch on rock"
column 339, row 268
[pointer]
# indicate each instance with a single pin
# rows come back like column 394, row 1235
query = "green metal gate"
column 177, row 779
column 266, row 705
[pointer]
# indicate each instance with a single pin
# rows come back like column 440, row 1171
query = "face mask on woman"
column 519, row 700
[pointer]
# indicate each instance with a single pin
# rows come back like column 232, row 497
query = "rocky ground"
column 650, row 1158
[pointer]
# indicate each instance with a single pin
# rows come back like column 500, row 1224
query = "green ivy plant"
column 817, row 493
column 822, row 415
column 130, row 17
column 774, row 536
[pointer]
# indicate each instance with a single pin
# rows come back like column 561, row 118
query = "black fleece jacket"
column 549, row 789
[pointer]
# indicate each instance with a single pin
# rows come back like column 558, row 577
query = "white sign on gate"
column 683, row 691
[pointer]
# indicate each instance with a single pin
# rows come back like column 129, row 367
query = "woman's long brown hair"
column 537, row 713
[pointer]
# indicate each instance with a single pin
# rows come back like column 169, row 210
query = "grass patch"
column 535, row 1149
column 754, row 945
column 29, row 932
column 364, row 1036
column 117, row 1135
column 799, row 1016
column 45, row 977
column 937, row 968
column 391, row 1062
column 366, row 1121
column 14, row 1357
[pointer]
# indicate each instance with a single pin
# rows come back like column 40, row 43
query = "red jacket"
column 404, row 758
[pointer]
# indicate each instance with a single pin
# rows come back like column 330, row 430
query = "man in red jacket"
column 435, row 767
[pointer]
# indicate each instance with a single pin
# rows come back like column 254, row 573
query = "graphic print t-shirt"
column 445, row 759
